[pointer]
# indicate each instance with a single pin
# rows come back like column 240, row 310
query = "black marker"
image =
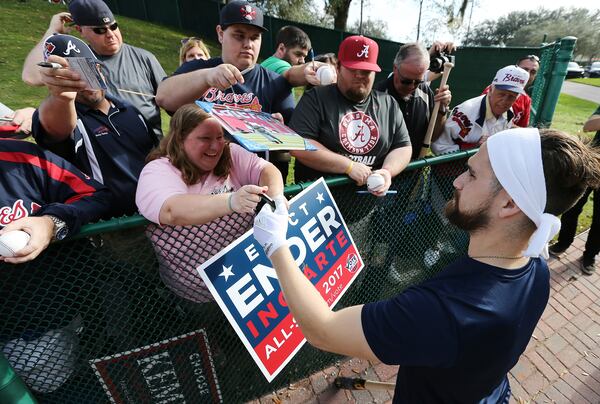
column 264, row 198
column 50, row 65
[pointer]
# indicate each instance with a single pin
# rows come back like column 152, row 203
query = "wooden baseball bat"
column 350, row 383
column 434, row 115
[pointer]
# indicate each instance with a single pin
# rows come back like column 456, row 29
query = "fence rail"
column 110, row 312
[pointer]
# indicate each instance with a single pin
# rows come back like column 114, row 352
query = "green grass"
column 24, row 23
column 569, row 116
column 571, row 113
column 589, row 81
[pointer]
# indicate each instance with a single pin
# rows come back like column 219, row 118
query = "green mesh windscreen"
column 124, row 313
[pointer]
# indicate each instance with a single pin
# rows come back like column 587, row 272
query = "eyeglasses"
column 191, row 38
column 102, row 30
column 408, row 82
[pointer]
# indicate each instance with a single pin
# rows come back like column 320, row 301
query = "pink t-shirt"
column 181, row 249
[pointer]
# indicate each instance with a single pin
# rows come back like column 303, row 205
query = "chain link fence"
column 119, row 314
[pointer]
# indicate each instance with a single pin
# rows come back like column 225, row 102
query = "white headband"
column 516, row 159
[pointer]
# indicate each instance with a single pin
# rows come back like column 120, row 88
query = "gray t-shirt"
column 138, row 70
column 364, row 132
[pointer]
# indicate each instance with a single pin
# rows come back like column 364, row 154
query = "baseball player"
column 457, row 335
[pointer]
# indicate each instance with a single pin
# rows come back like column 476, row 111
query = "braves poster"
column 246, row 288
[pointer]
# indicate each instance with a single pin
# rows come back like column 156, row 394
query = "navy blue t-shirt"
column 263, row 90
column 457, row 335
column 111, row 148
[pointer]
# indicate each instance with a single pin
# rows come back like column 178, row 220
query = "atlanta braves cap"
column 241, row 12
column 67, row 46
column 92, row 13
column 511, row 78
column 359, row 52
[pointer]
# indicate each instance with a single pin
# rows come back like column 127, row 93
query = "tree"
column 296, row 10
column 528, row 28
column 371, row 28
column 338, row 9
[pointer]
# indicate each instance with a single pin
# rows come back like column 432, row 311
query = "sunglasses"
column 533, row 57
column 103, row 30
column 191, row 38
column 408, row 82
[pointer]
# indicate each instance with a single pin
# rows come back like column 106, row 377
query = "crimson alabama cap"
column 359, row 52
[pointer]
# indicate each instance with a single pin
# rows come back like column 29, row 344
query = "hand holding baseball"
column 40, row 229
column 380, row 182
column 270, row 227
column 326, row 75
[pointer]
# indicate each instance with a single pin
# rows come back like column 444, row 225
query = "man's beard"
column 357, row 95
column 469, row 221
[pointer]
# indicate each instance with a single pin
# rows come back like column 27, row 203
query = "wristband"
column 349, row 169
column 229, row 202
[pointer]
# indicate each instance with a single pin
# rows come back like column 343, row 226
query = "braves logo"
column 49, row 48
column 358, row 132
column 364, row 53
column 71, row 47
column 463, row 123
column 248, row 12
column 9, row 214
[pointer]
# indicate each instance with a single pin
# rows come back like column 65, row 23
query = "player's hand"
column 40, row 228
column 443, row 95
column 224, row 76
column 245, row 199
column 277, row 116
column 360, row 173
column 270, row 227
column 63, row 83
column 381, row 191
column 58, row 23
column 22, row 118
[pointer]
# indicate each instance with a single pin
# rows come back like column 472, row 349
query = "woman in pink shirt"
column 201, row 192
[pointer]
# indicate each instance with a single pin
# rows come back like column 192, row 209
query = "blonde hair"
column 189, row 44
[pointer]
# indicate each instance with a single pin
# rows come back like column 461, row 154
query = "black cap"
column 92, row 13
column 67, row 46
column 241, row 12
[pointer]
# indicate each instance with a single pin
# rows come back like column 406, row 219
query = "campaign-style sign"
column 246, row 288
column 178, row 369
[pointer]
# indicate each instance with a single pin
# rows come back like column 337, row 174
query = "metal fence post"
column 559, row 71
column 12, row 388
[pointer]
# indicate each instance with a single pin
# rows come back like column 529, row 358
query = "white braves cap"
column 511, row 78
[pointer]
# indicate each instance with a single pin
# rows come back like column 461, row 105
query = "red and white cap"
column 511, row 78
column 359, row 52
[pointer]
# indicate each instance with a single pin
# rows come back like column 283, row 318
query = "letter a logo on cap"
column 364, row 53
column 71, row 47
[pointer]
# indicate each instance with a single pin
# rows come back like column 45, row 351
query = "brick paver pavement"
column 560, row 365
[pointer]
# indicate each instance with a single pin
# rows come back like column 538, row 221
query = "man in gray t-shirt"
column 354, row 128
column 127, row 67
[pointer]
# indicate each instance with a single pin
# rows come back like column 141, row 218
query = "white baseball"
column 326, row 75
column 12, row 242
column 375, row 181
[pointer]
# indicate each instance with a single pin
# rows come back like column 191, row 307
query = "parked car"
column 594, row 70
column 574, row 70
